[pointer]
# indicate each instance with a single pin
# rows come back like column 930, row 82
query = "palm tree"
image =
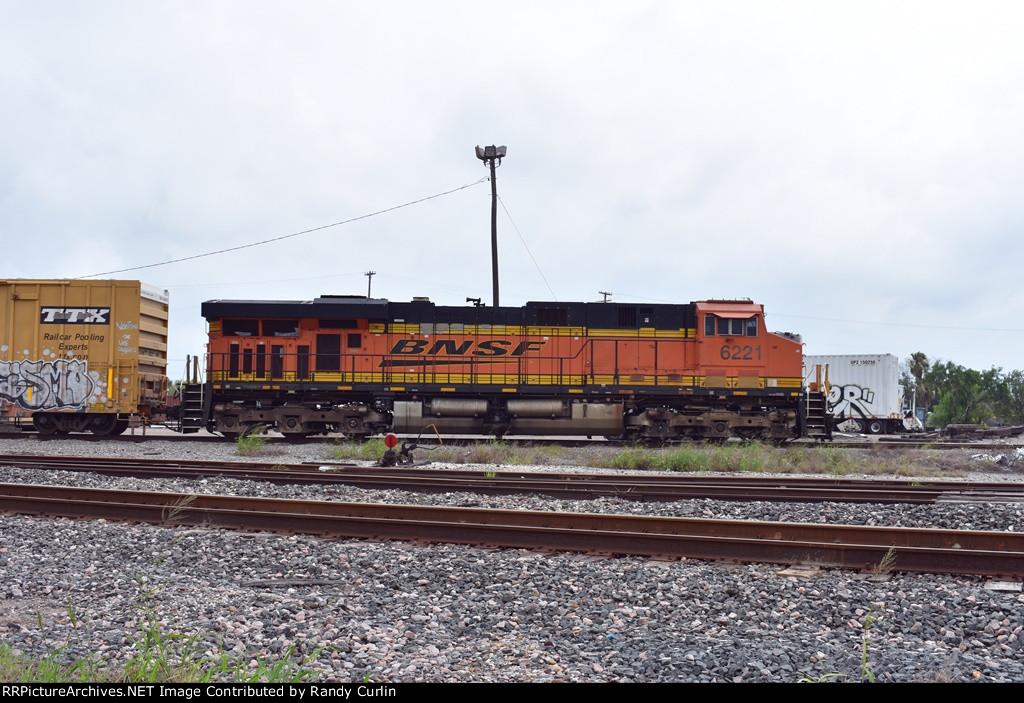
column 919, row 364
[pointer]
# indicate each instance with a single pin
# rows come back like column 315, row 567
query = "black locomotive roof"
column 599, row 315
column 329, row 307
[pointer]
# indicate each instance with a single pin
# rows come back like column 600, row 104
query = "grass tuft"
column 370, row 450
column 694, row 457
column 250, row 441
column 160, row 656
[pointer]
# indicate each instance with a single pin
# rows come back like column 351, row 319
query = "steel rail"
column 994, row 554
column 567, row 485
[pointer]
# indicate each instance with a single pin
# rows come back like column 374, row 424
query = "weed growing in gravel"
column 446, row 455
column 494, row 452
column 634, row 458
column 866, row 675
column 727, row 457
column 824, row 678
column 177, row 658
column 745, row 457
column 865, row 670
column 160, row 657
column 754, row 457
column 885, row 566
column 685, row 459
column 171, row 512
column 370, row 450
column 52, row 668
column 170, row 658
column 251, row 441
column 836, row 462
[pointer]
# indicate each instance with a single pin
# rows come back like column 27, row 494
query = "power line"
column 525, row 246
column 900, row 324
column 215, row 284
column 851, row 322
column 288, row 236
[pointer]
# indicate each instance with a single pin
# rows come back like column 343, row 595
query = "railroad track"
column 992, row 554
column 579, row 486
column 896, row 442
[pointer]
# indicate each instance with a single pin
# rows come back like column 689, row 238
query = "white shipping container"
column 864, row 389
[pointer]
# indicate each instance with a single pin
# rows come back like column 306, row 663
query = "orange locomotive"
column 704, row 370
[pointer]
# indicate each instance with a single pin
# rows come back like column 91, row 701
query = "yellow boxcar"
column 82, row 355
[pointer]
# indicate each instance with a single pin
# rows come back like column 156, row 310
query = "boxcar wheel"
column 103, row 424
column 44, row 424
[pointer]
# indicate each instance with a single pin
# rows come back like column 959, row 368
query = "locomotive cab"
column 737, row 351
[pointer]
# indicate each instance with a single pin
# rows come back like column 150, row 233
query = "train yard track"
column 560, row 485
column 993, row 554
column 887, row 442
column 394, row 581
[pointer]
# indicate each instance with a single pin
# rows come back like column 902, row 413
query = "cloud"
column 855, row 163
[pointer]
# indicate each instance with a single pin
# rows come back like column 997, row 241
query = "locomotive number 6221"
column 740, row 353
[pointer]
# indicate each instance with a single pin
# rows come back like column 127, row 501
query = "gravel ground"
column 398, row 612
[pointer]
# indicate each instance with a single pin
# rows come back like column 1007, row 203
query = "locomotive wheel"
column 44, row 424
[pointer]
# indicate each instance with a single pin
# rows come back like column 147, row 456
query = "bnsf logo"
column 449, row 347
column 74, row 316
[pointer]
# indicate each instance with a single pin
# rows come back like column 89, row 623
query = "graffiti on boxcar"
column 851, row 400
column 48, row 385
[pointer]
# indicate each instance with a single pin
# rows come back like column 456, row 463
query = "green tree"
column 1011, row 400
column 963, row 395
column 917, row 366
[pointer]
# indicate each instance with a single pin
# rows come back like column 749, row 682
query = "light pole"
column 490, row 154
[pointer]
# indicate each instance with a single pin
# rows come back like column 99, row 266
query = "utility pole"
column 605, row 294
column 489, row 155
column 369, row 281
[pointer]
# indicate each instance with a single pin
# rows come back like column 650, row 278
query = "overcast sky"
column 856, row 167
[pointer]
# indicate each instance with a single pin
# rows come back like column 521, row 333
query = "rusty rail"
column 581, row 486
column 996, row 554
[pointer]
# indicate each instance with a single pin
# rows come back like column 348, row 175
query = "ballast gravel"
column 351, row 610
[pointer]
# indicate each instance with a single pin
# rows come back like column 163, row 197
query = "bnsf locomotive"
column 360, row 366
